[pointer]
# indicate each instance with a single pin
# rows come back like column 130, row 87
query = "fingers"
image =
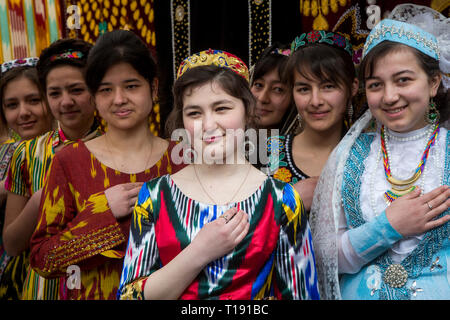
column 437, row 223
column 433, row 193
column 132, row 185
column 227, row 216
column 438, row 201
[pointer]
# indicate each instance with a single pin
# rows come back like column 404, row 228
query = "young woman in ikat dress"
column 91, row 187
column 25, row 115
column 217, row 229
column 391, row 176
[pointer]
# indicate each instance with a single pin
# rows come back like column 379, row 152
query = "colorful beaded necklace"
column 402, row 187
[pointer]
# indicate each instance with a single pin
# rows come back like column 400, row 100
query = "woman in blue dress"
column 381, row 208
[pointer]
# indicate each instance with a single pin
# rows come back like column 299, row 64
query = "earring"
column 350, row 112
column 432, row 115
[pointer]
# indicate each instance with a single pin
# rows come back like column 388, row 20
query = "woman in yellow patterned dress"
column 60, row 69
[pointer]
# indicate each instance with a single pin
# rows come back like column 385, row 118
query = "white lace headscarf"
column 327, row 202
column 433, row 22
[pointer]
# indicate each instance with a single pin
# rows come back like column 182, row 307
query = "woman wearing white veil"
column 365, row 248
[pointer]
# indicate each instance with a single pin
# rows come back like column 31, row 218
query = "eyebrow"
column 215, row 103
column 394, row 75
column 30, row 95
column 69, row 86
column 125, row 81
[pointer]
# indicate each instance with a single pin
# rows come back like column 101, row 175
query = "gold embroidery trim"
column 83, row 247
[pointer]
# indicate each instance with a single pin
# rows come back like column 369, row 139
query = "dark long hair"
column 272, row 60
column 119, row 46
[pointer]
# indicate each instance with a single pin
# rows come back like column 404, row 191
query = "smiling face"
column 124, row 97
column 69, row 99
column 398, row 91
column 272, row 99
column 212, row 117
column 24, row 109
column 320, row 103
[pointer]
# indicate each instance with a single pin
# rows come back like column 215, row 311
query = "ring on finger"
column 429, row 205
column 224, row 216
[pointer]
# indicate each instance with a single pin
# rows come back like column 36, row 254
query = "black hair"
column 270, row 60
column 49, row 57
column 119, row 46
column 323, row 61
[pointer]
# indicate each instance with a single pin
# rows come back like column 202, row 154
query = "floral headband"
column 67, row 55
column 214, row 57
column 283, row 52
column 320, row 36
column 25, row 62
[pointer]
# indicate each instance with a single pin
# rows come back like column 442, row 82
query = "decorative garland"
column 181, row 33
column 259, row 29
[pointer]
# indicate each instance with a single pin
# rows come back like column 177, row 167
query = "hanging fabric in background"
column 181, row 36
column 89, row 19
column 259, row 29
column 27, row 27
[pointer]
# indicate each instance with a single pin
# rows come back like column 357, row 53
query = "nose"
column 316, row 97
column 119, row 97
column 390, row 95
column 67, row 100
column 209, row 122
column 263, row 95
column 24, row 111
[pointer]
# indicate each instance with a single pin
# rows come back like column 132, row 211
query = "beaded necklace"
column 402, row 187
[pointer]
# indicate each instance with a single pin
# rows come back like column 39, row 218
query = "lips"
column 70, row 113
column 262, row 112
column 211, row 139
column 394, row 111
column 122, row 112
column 319, row 115
column 27, row 125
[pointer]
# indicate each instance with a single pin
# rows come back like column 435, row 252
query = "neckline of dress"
column 261, row 187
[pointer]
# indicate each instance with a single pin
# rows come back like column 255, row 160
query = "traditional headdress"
column 334, row 39
column 419, row 27
column 67, row 55
column 214, row 57
column 25, row 62
column 401, row 32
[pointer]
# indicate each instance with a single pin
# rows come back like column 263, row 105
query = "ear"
column 434, row 84
column 355, row 87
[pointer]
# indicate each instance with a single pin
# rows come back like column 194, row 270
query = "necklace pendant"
column 394, row 193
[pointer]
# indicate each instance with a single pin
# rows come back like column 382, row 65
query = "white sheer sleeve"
column 326, row 210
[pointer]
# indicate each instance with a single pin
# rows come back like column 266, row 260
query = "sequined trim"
column 134, row 290
column 83, row 247
column 403, row 33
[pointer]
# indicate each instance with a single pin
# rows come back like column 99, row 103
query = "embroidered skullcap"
column 405, row 33
column 214, row 57
column 23, row 62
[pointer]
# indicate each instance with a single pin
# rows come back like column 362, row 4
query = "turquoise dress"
column 422, row 274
